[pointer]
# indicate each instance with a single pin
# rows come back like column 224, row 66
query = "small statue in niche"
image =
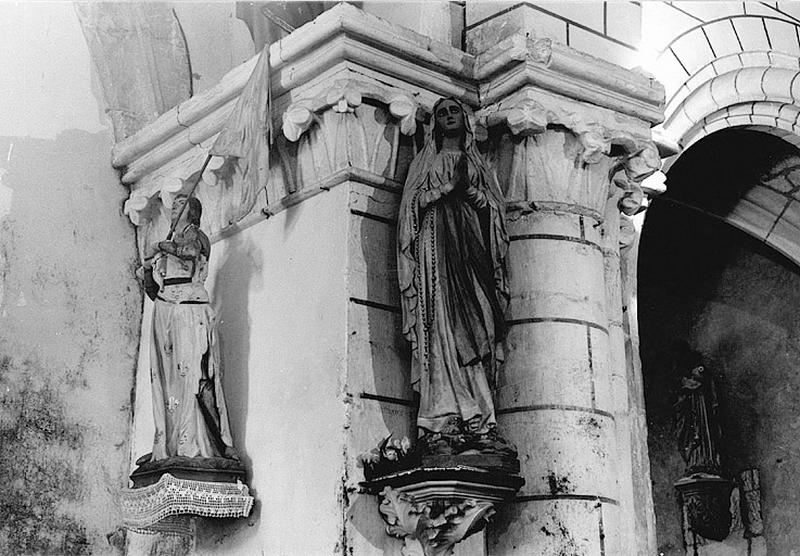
column 189, row 410
column 697, row 420
column 704, row 493
column 452, row 244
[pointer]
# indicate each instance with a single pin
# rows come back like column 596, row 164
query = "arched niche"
column 719, row 269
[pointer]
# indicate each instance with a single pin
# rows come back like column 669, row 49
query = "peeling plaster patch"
column 41, row 463
column 6, row 196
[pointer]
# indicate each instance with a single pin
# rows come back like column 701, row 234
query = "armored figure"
column 189, row 410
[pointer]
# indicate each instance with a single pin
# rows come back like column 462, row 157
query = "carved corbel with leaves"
column 435, row 525
column 626, row 192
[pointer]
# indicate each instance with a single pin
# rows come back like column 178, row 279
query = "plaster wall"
column 69, row 306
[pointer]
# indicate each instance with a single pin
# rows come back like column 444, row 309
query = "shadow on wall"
column 239, row 272
column 388, row 356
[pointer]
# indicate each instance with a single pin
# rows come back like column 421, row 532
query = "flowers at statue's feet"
column 390, row 456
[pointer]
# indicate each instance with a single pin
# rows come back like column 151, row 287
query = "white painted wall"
column 280, row 292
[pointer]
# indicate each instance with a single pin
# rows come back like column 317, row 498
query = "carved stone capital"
column 555, row 151
column 555, row 169
column 643, row 163
column 343, row 98
column 525, row 118
column 437, row 525
column 631, row 196
column 531, row 111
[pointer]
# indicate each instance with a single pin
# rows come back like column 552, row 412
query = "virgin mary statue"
column 451, row 249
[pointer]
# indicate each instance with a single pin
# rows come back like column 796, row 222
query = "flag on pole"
column 245, row 137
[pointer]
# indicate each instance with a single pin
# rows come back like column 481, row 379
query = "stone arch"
column 739, row 71
column 730, row 64
column 698, row 282
column 766, row 96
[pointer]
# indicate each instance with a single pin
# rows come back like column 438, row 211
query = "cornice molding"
column 519, row 61
column 342, row 36
column 346, row 42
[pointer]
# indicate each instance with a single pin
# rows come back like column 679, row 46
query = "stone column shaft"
column 555, row 396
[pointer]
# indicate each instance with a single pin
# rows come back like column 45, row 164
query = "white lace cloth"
column 145, row 506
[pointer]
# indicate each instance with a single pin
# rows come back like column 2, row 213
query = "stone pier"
column 571, row 144
column 316, row 366
column 555, row 399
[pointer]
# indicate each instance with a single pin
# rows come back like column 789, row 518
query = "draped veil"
column 453, row 285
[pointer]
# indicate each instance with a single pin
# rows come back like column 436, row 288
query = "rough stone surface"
column 69, row 311
column 563, row 452
column 549, row 528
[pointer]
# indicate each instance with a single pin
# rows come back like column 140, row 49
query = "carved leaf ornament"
column 437, row 525
column 344, row 98
column 527, row 118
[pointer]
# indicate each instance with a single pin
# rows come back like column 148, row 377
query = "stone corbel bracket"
column 436, row 526
column 344, row 97
column 432, row 509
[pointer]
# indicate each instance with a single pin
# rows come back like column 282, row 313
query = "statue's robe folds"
column 184, row 357
column 451, row 249
column 697, row 425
